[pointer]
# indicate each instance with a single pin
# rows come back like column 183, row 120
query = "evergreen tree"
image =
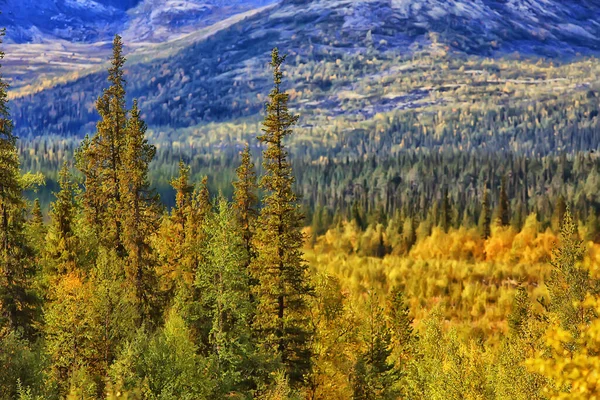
column 403, row 335
column 281, row 322
column 503, row 213
column 559, row 213
column 100, row 158
column 374, row 375
column 61, row 246
column 139, row 212
column 172, row 233
column 16, row 297
column 570, row 282
column 245, row 199
column 485, row 215
column 223, row 283
column 446, row 217
column 36, row 229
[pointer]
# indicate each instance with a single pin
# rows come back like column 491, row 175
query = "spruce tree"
column 403, row 335
column 485, row 215
column 62, row 245
column 570, row 281
column 139, row 211
column 171, row 246
column 36, row 229
column 100, row 158
column 559, row 213
column 503, row 213
column 446, row 217
column 374, row 374
column 183, row 196
column 245, row 198
column 16, row 269
column 223, row 283
column 281, row 322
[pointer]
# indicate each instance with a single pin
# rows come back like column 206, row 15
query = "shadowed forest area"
column 260, row 272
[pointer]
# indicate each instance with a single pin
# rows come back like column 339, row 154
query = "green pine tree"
column 246, row 200
column 485, row 215
column 503, row 212
column 139, row 210
column 100, row 158
column 223, row 283
column 17, row 300
column 62, row 242
column 374, row 375
column 281, row 322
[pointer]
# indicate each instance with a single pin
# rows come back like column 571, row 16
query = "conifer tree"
column 37, row 217
column 503, row 213
column 172, row 233
column 570, row 282
column 559, row 213
column 245, row 198
column 139, row 211
column 183, row 196
column 374, row 374
column 281, row 293
column 61, row 240
column 485, row 216
column 100, row 158
column 223, row 283
column 446, row 217
column 188, row 296
column 16, row 269
column 36, row 229
column 403, row 335
column 200, row 207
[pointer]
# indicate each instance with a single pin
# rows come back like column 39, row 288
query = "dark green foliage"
column 282, row 287
column 246, row 200
column 503, row 211
column 374, row 374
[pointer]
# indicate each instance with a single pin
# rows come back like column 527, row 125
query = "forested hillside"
column 386, row 75
column 437, row 273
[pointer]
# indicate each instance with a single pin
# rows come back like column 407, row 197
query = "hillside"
column 358, row 66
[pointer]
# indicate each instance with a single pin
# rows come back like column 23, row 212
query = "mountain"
column 351, row 62
column 87, row 21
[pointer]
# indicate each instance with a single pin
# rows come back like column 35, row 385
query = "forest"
column 423, row 275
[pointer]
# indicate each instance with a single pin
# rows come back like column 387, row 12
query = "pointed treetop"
column 118, row 61
column 276, row 62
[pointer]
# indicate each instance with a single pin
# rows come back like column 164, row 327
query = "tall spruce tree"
column 100, row 158
column 281, row 322
column 139, row 212
column 16, row 269
column 36, row 229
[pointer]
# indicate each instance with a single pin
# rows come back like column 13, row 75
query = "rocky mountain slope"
column 87, row 21
column 210, row 78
